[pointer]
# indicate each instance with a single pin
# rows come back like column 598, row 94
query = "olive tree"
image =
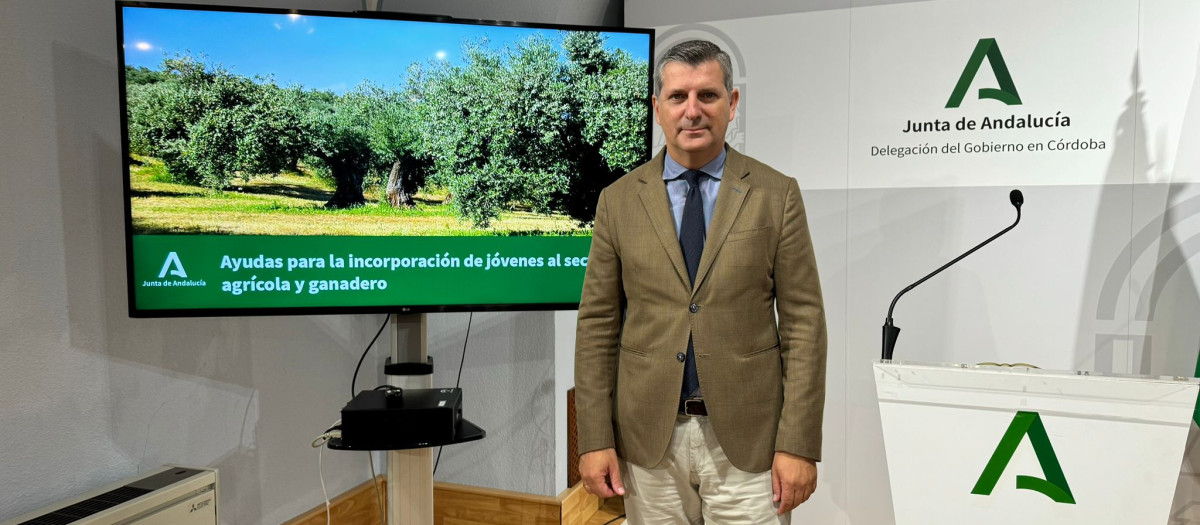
column 533, row 125
column 209, row 126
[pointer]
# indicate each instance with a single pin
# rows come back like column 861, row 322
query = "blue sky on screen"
column 325, row 53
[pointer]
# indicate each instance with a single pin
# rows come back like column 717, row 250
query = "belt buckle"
column 694, row 407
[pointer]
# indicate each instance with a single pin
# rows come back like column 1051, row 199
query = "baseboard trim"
column 357, row 506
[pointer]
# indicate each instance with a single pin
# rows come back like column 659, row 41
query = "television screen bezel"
column 135, row 312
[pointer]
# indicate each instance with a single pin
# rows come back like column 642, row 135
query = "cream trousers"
column 695, row 483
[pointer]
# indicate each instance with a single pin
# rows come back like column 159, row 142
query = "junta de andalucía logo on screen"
column 173, row 274
column 172, row 265
column 1054, row 486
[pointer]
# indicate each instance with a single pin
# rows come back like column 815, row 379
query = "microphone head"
column 1016, row 198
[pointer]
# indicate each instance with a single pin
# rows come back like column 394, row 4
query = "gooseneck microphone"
column 890, row 331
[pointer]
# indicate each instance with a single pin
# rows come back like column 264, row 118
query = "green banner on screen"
column 183, row 272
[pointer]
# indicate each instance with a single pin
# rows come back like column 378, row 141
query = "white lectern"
column 983, row 445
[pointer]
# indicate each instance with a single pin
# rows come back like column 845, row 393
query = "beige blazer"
column 763, row 384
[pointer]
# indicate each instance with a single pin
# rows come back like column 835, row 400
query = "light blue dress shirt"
column 677, row 187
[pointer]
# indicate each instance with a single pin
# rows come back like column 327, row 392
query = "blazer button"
column 680, row 356
column 694, row 308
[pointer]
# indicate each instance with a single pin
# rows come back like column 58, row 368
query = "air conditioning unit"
column 168, row 496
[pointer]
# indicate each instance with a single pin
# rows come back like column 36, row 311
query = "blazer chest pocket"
column 746, row 247
column 742, row 235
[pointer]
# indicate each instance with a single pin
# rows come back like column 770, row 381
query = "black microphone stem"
column 890, row 332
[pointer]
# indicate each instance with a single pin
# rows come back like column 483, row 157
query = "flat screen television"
column 299, row 162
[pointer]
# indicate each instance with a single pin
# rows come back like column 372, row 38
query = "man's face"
column 694, row 111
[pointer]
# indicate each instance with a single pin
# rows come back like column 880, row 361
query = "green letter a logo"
column 1007, row 93
column 173, row 264
column 1054, row 486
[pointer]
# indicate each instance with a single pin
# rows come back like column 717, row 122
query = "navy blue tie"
column 691, row 240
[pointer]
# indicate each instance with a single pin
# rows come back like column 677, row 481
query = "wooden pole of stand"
column 410, row 472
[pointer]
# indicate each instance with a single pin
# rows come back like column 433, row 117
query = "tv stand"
column 410, row 468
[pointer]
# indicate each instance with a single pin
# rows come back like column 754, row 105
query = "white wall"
column 508, row 390
column 1101, row 273
column 89, row 396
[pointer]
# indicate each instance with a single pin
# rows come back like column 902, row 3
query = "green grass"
column 293, row 204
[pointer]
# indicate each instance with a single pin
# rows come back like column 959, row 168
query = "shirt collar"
column 673, row 170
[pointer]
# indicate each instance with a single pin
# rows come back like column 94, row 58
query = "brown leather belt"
column 693, row 407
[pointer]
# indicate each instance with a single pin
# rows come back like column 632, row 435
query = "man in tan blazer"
column 737, row 442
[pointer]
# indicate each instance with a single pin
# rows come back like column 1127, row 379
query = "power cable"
column 353, row 391
column 458, row 381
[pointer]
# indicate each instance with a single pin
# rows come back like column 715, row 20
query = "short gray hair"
column 694, row 53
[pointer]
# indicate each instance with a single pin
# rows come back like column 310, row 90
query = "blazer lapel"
column 654, row 198
column 729, row 202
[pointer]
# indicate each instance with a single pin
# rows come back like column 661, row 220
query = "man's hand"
column 793, row 480
column 601, row 474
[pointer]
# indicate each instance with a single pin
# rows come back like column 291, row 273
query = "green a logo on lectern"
column 986, row 48
column 1054, row 486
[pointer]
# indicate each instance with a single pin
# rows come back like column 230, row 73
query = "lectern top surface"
column 1077, row 394
column 1022, row 368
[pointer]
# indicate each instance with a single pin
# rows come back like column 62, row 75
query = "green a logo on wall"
column 1054, row 486
column 986, row 48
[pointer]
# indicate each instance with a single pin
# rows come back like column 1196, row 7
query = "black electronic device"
column 402, row 418
column 891, row 331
